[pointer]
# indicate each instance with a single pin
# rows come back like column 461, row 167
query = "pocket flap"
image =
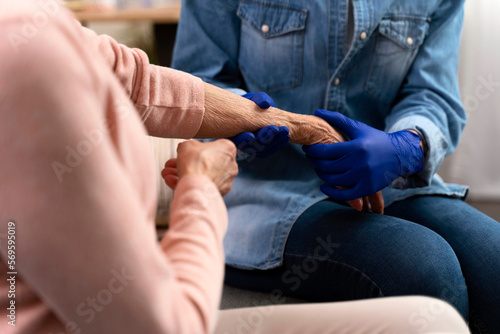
column 272, row 20
column 407, row 33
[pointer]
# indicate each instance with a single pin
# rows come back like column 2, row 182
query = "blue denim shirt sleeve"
column 429, row 100
column 200, row 49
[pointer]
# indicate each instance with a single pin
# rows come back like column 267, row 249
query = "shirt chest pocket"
column 397, row 44
column 271, row 45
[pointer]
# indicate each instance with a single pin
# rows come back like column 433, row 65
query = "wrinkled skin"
column 215, row 160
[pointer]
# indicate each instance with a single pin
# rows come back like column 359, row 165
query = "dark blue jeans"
column 428, row 245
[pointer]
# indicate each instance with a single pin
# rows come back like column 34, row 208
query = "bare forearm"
column 227, row 114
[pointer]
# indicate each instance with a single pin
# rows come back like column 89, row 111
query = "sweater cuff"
column 176, row 104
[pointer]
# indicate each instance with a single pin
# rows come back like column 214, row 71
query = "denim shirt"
column 399, row 71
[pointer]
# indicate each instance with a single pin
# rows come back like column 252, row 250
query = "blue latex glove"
column 261, row 99
column 365, row 164
column 267, row 140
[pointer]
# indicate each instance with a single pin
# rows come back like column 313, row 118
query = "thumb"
column 263, row 100
column 345, row 124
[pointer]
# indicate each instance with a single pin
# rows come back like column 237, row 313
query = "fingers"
column 340, row 194
column 248, row 95
column 265, row 142
column 271, row 134
column 366, row 204
column 261, row 99
column 270, row 139
column 171, row 163
column 171, row 181
column 373, row 203
column 328, row 151
column 333, row 166
column 273, row 147
column 281, row 138
column 336, row 119
column 356, row 204
column 344, row 179
column 215, row 160
column 243, row 139
column 377, row 202
column 169, row 173
column 267, row 134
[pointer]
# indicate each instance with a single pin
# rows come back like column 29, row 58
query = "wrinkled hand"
column 310, row 130
column 365, row 164
column 265, row 141
column 216, row 160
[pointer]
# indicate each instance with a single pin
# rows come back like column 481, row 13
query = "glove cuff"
column 408, row 151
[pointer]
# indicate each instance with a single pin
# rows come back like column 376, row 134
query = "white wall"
column 477, row 159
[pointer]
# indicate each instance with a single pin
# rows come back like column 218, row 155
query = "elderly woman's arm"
column 227, row 114
column 160, row 95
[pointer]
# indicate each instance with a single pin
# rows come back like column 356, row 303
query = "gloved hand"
column 267, row 140
column 365, row 164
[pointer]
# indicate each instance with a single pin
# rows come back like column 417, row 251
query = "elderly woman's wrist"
column 309, row 130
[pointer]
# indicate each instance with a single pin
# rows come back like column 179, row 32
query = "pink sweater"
column 77, row 178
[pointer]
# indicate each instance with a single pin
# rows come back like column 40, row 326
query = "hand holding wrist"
column 227, row 115
column 368, row 162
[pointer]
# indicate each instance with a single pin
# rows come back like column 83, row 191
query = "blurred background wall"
column 477, row 159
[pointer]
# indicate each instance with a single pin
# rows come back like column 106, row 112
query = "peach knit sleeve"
column 170, row 102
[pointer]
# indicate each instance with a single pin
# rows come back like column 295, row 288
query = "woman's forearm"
column 227, row 115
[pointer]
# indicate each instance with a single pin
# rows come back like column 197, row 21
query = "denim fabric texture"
column 398, row 72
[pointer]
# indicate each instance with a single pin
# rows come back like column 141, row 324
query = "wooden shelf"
column 168, row 14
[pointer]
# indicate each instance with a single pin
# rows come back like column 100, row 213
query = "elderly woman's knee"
column 431, row 315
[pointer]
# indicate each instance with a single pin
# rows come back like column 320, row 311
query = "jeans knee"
column 431, row 268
